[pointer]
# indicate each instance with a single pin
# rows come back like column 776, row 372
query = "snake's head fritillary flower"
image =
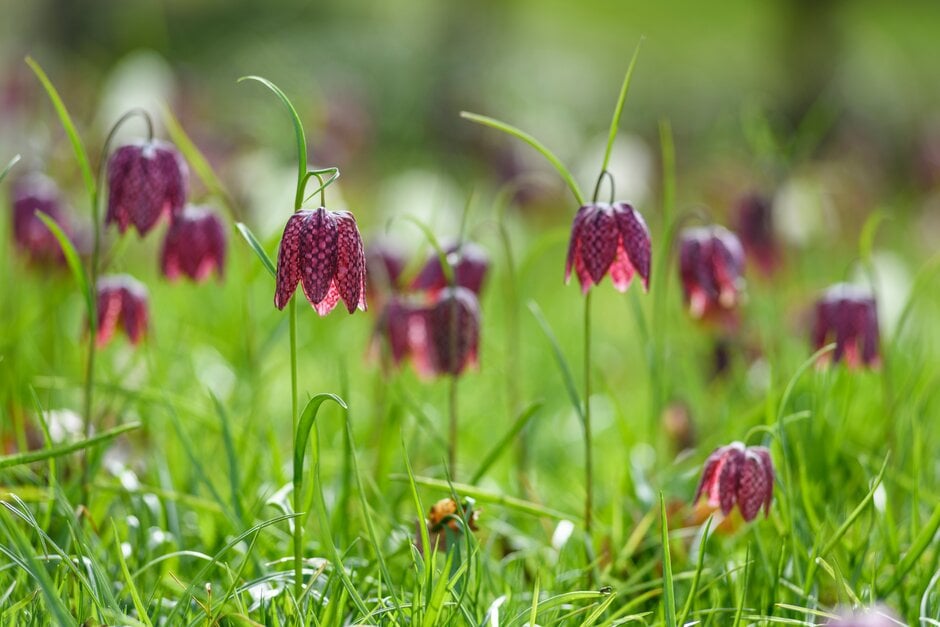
column 122, row 302
column 146, row 181
column 711, row 261
column 32, row 193
column 448, row 336
column 322, row 250
column 194, row 245
column 754, row 223
column 469, row 263
column 398, row 325
column 385, row 266
column 848, row 316
column 610, row 239
column 735, row 475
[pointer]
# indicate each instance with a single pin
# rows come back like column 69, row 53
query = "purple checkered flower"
column 122, row 302
column 194, row 245
column 848, row 315
column 146, row 181
column 610, row 239
column 735, row 475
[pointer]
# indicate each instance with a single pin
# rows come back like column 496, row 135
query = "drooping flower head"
column 754, row 223
column 146, row 181
column 385, row 265
column 194, row 245
column 447, row 338
column 122, row 302
column 400, row 327
column 608, row 238
column 847, row 315
column 32, row 193
column 711, row 261
column 468, row 261
column 322, row 250
column 735, row 475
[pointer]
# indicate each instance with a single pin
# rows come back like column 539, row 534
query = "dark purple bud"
column 322, row 250
column 451, row 333
column 735, row 475
column 469, row 263
column 848, row 316
column 385, row 266
column 122, row 302
column 711, row 262
column 146, row 181
column 754, row 223
column 195, row 245
column 398, row 326
column 610, row 239
column 32, row 193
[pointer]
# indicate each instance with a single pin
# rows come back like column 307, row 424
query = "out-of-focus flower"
column 122, row 301
column 400, row 326
column 608, row 238
column 447, row 337
column 710, row 264
column 848, row 315
column 384, row 265
column 678, row 426
column 877, row 616
column 146, row 181
column 735, row 475
column 322, row 250
column 755, row 225
column 194, row 245
column 32, row 193
column 446, row 520
column 468, row 261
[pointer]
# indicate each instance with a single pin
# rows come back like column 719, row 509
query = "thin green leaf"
column 669, row 592
column 308, row 418
column 432, row 240
column 567, row 377
column 693, row 590
column 920, row 544
column 545, row 152
column 618, row 110
column 19, row 459
column 257, row 247
column 9, row 166
column 132, row 588
column 298, row 134
column 504, row 443
column 232, row 458
column 74, row 263
column 81, row 155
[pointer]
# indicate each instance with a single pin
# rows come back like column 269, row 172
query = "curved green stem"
column 334, row 174
column 588, row 453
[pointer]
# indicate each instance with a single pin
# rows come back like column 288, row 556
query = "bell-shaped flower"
column 847, row 315
column 754, row 223
column 735, row 475
column 194, row 245
column 146, row 181
column 122, row 302
column 469, row 263
column 448, row 336
column 711, row 262
column 385, row 266
column 322, row 250
column 32, row 193
column 608, row 239
column 400, row 327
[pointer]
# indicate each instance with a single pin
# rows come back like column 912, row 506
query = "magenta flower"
column 122, row 302
column 447, row 338
column 194, row 245
column 848, row 315
column 608, row 238
column 468, row 261
column 385, row 266
column 735, row 475
column 146, row 181
column 711, row 261
column 32, row 193
column 400, row 326
column 322, row 250
column 754, row 222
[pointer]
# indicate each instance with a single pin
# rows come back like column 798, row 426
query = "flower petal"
column 288, row 259
column 728, row 477
column 318, row 255
column 328, row 302
column 621, row 271
column 573, row 242
column 768, row 465
column 598, row 242
column 350, row 262
column 636, row 239
column 752, row 486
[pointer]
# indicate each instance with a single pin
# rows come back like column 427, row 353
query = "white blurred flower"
column 631, row 164
column 802, row 210
column 64, row 425
column 143, row 79
column 892, row 288
column 430, row 197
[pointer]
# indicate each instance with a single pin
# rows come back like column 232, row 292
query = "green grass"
column 189, row 517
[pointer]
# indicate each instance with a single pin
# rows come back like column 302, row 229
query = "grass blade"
column 18, row 459
column 9, row 166
column 687, row 607
column 132, row 588
column 563, row 366
column 81, row 155
column 545, row 152
column 232, row 457
column 920, row 544
column 503, row 444
column 308, row 418
column 74, row 263
column 618, row 110
column 257, row 247
column 669, row 592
